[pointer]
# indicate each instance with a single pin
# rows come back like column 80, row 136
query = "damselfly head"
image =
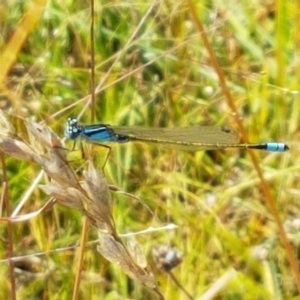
column 71, row 130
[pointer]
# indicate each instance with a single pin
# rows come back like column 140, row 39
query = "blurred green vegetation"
column 156, row 72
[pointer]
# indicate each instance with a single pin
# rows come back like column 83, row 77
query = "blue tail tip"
column 277, row 147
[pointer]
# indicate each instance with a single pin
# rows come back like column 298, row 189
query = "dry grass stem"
column 90, row 194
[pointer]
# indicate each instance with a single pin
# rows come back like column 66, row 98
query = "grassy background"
column 156, row 72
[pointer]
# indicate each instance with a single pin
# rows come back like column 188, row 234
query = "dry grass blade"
column 98, row 208
column 11, row 143
column 114, row 250
column 98, row 204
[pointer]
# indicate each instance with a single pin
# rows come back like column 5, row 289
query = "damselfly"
column 194, row 138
